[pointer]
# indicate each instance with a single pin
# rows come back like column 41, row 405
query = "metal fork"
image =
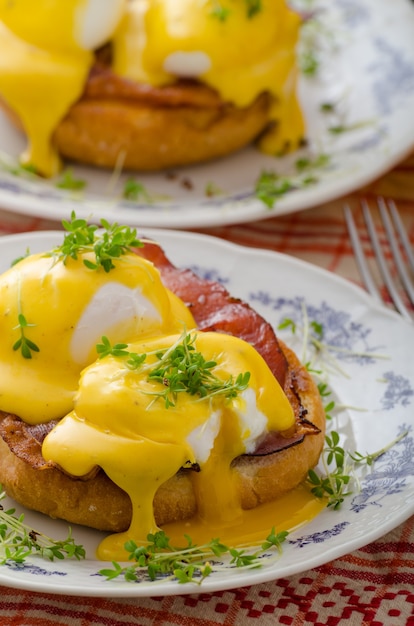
column 396, row 273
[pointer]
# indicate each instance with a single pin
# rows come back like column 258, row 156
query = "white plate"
column 366, row 53
column 380, row 387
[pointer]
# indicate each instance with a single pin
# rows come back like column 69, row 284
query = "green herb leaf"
column 187, row 564
column 24, row 344
column 134, row 190
column 182, row 369
column 339, row 465
column 113, row 242
column 253, row 7
column 309, row 63
column 211, row 189
column 20, row 258
column 18, row 541
column 220, row 12
column 105, row 349
column 270, row 186
column 68, row 181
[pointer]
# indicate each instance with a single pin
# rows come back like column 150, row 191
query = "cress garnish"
column 108, row 244
column 18, row 541
column 271, row 186
column 220, row 12
column 179, row 368
column 25, row 345
column 134, row 190
column 188, row 564
column 339, row 464
column 68, row 181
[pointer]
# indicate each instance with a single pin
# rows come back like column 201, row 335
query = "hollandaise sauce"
column 126, row 421
column 239, row 55
column 287, row 513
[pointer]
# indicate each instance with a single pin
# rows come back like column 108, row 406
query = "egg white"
column 96, row 21
column 110, row 306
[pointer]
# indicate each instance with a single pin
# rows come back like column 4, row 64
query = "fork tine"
column 405, row 279
column 390, row 228
column 395, row 296
column 402, row 233
column 360, row 256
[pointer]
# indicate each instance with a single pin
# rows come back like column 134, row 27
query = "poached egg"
column 120, row 422
column 64, row 309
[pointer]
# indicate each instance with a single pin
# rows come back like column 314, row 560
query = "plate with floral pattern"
column 357, row 94
column 364, row 359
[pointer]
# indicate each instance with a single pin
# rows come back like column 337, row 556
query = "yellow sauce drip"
column 42, row 71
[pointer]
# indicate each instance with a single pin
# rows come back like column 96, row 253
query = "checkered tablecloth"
column 372, row 586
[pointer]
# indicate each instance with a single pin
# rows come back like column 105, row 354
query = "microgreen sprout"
column 134, row 190
column 253, row 7
column 305, row 163
column 106, row 349
column 211, row 189
column 340, row 478
column 336, row 120
column 18, row 541
column 325, row 392
column 179, row 368
column 25, row 170
column 25, row 345
column 316, row 40
column 188, row 564
column 220, row 12
column 316, row 349
column 20, row 258
column 107, row 245
column 309, row 63
column 68, row 181
column 183, row 368
column 271, row 186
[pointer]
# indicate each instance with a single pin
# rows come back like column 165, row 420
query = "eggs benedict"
column 149, row 84
column 165, row 418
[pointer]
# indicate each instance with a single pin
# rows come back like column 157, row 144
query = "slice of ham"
column 214, row 309
column 104, row 84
